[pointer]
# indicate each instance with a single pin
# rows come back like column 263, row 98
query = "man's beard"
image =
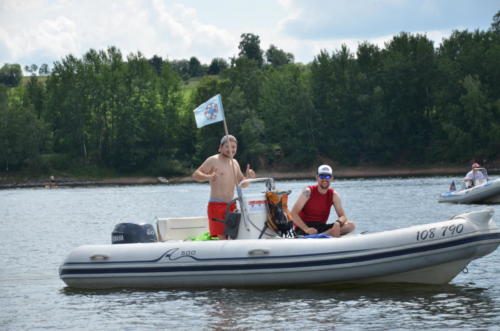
column 227, row 155
column 325, row 185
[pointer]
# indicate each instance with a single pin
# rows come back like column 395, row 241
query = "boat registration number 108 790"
column 444, row 231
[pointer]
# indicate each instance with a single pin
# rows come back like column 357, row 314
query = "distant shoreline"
column 340, row 173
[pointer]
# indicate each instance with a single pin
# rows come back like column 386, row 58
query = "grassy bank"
column 97, row 177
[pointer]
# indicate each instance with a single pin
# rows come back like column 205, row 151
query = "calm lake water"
column 39, row 227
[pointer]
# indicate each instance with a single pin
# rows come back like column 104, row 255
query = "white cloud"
column 323, row 19
column 53, row 36
column 309, row 27
column 186, row 29
column 31, row 28
column 43, row 31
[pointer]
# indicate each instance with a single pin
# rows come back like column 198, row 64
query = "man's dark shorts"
column 321, row 227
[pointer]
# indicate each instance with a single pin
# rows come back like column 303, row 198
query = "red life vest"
column 317, row 208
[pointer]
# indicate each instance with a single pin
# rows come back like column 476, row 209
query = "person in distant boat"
column 474, row 176
column 312, row 209
column 223, row 172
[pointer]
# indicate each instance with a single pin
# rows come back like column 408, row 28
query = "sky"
column 45, row 31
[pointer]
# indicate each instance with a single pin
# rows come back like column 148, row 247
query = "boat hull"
column 431, row 253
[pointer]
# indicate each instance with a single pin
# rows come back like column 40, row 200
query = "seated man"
column 311, row 210
column 475, row 176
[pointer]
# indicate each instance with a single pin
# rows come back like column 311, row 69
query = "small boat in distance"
column 484, row 190
column 259, row 257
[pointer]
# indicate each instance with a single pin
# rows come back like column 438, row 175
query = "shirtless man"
column 312, row 209
column 220, row 171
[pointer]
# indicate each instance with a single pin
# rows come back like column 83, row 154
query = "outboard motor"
column 127, row 233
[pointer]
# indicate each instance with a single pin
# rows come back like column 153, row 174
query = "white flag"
column 209, row 112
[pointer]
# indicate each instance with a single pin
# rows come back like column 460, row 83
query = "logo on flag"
column 209, row 112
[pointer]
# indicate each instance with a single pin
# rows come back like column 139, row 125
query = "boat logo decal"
column 174, row 254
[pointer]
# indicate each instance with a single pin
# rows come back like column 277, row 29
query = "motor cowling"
column 127, row 233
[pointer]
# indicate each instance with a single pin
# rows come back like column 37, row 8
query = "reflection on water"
column 401, row 305
column 39, row 227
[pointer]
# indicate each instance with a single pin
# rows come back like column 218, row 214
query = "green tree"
column 495, row 25
column 36, row 95
column 467, row 61
column 369, row 101
column 195, row 68
column 157, row 63
column 333, row 96
column 21, row 133
column 143, row 130
column 472, row 124
column 247, row 76
column 406, row 103
column 3, row 96
column 44, row 70
column 278, row 57
column 250, row 48
column 287, row 111
column 181, row 67
column 113, row 112
column 217, row 66
column 409, row 69
column 11, row 75
column 66, row 111
column 32, row 69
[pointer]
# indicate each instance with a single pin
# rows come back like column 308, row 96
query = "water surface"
column 39, row 227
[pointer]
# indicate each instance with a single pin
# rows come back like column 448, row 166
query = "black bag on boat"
column 279, row 218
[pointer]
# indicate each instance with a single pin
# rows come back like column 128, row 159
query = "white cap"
column 325, row 170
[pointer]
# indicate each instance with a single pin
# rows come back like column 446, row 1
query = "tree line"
column 408, row 103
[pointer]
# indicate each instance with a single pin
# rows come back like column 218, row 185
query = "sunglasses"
column 325, row 176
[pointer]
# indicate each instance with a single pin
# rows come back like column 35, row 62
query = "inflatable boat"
column 486, row 192
column 261, row 256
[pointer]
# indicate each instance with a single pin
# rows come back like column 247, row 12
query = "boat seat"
column 181, row 228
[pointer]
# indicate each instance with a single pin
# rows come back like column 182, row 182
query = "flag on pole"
column 209, row 112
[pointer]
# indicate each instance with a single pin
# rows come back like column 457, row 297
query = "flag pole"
column 225, row 127
column 226, row 131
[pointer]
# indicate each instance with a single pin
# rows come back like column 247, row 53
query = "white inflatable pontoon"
column 429, row 253
column 485, row 191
